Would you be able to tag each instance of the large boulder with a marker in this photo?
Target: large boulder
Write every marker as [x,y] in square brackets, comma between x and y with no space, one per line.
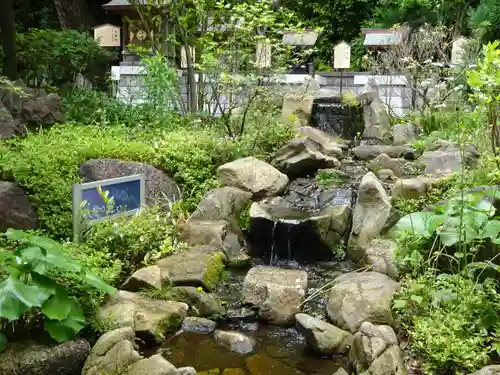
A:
[332,146]
[361,297]
[148,317]
[277,292]
[296,233]
[404,134]
[300,157]
[201,303]
[30,358]
[389,363]
[25,106]
[199,266]
[445,157]
[253,175]
[375,114]
[16,210]
[322,337]
[383,161]
[380,255]
[159,186]
[369,343]
[154,365]
[297,105]
[372,215]
[224,203]
[198,325]
[144,278]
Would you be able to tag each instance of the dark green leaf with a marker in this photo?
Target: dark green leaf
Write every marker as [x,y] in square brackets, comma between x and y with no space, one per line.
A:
[16,298]
[97,283]
[57,307]
[66,329]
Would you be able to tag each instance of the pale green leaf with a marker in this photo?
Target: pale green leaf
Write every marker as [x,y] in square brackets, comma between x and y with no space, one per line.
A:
[16,298]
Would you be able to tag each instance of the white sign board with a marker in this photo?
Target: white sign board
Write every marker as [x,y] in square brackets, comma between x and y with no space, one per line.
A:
[263,55]
[458,50]
[342,56]
[107,35]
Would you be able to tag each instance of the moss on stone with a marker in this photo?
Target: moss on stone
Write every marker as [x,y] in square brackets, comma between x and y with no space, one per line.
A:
[167,325]
[214,271]
[349,98]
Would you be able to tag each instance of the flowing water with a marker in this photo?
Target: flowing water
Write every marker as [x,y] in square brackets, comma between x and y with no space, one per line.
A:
[278,350]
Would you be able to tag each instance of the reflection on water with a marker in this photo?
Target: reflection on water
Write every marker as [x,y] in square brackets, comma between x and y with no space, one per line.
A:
[279,351]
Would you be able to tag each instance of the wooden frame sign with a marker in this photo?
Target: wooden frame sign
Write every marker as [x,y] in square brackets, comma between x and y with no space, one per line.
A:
[97,201]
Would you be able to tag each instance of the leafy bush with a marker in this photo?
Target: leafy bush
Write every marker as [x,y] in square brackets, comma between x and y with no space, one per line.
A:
[29,283]
[451,320]
[46,164]
[54,58]
[144,237]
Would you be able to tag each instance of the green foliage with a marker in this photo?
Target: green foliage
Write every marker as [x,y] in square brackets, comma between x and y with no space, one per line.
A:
[29,284]
[54,58]
[142,238]
[327,178]
[451,320]
[46,164]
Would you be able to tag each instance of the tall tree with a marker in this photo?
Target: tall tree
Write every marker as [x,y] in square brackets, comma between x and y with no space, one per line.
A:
[8,32]
[74,14]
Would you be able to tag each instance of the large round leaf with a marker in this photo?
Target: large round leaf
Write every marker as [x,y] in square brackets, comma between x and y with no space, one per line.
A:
[16,298]
[64,330]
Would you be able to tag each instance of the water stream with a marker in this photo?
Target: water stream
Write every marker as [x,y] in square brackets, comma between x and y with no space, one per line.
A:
[278,350]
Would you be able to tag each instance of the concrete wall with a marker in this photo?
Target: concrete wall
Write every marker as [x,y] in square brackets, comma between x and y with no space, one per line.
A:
[393,90]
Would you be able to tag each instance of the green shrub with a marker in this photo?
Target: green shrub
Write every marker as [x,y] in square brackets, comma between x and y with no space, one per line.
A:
[451,320]
[30,282]
[142,238]
[55,58]
[46,164]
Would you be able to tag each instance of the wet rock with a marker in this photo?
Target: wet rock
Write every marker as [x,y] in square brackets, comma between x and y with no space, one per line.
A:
[113,352]
[404,134]
[372,215]
[277,292]
[380,255]
[446,157]
[224,203]
[144,278]
[329,145]
[389,363]
[289,232]
[300,157]
[322,337]
[383,161]
[259,364]
[368,152]
[30,358]
[249,327]
[386,175]
[152,318]
[216,233]
[158,184]
[243,314]
[375,115]
[488,370]
[369,343]
[16,210]
[361,297]
[205,304]
[235,341]
[154,365]
[199,266]
[198,325]
[253,175]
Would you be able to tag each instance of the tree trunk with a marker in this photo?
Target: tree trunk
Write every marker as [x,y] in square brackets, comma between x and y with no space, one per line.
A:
[74,14]
[8,32]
